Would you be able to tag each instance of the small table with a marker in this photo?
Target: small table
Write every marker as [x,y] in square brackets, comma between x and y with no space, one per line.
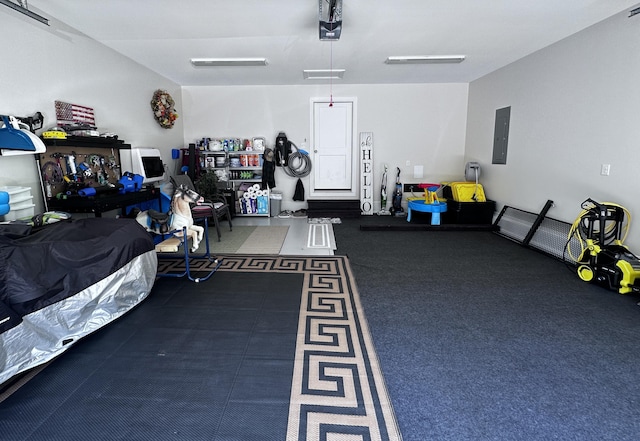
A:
[435,209]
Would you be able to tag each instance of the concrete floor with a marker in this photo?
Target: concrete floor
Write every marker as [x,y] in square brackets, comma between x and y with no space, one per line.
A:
[302,238]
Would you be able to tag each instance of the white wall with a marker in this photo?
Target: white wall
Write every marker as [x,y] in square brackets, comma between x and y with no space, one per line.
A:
[574,106]
[41,64]
[420,123]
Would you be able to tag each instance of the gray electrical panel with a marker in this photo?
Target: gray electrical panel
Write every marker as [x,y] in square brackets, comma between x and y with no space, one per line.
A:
[501,136]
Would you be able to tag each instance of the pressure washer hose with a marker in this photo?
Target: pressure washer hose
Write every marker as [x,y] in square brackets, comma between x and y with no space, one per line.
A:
[578,229]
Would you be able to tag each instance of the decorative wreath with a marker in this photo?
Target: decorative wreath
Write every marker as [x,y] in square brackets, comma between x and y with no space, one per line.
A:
[163,109]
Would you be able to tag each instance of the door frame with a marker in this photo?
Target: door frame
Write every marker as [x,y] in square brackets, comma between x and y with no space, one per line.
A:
[354,193]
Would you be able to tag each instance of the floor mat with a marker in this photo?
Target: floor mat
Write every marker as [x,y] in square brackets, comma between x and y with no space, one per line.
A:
[264,240]
[247,240]
[324,220]
[321,236]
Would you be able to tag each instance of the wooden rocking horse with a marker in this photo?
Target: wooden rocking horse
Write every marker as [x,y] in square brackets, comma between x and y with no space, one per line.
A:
[181,215]
[179,222]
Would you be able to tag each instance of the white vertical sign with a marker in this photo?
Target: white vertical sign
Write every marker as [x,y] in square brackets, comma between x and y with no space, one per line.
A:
[366,173]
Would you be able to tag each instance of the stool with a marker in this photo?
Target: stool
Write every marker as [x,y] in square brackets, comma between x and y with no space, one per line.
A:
[435,209]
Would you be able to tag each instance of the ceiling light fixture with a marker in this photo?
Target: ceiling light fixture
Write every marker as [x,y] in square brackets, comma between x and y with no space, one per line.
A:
[215,62]
[323,74]
[25,11]
[426,59]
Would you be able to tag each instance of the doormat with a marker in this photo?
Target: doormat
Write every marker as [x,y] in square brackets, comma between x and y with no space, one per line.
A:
[321,236]
[324,220]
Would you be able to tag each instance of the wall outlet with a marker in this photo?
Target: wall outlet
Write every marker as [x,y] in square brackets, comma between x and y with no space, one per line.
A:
[605,169]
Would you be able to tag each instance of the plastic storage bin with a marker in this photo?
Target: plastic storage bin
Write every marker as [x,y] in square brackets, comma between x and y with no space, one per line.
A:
[469,212]
[18,195]
[19,213]
[20,202]
[464,192]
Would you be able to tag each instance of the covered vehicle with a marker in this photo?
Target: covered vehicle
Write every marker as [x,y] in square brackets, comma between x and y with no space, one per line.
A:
[63,281]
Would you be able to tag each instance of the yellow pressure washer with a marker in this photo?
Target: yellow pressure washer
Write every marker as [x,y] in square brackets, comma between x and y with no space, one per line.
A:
[604,259]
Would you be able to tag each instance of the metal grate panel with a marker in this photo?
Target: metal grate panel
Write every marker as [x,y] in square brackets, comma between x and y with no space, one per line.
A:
[515,223]
[550,237]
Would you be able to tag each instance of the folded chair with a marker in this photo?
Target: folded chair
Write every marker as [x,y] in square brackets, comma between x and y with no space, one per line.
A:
[215,206]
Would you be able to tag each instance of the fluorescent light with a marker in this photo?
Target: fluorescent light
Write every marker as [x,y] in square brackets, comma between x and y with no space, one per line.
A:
[426,59]
[25,11]
[229,61]
[323,74]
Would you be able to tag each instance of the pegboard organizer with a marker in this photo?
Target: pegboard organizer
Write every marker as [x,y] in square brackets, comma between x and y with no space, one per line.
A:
[96,162]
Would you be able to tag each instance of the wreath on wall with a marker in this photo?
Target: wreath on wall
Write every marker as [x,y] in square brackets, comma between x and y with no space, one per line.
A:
[163,109]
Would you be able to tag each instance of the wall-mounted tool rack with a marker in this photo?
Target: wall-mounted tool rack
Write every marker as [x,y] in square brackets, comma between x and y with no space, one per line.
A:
[77,162]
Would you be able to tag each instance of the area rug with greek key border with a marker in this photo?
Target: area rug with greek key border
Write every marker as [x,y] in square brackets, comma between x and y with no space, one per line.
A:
[269,348]
[338,390]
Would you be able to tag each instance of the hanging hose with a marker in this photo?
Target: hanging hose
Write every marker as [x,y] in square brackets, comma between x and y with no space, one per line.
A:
[299,163]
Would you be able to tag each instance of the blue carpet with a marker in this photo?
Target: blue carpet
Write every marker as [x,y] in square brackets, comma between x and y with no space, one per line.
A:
[482,339]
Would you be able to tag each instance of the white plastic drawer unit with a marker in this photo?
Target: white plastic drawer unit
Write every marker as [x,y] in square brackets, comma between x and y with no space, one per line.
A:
[20,202]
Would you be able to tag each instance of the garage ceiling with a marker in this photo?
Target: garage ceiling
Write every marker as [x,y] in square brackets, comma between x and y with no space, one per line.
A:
[164,35]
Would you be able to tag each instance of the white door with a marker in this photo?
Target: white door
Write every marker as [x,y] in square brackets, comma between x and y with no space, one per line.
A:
[334,169]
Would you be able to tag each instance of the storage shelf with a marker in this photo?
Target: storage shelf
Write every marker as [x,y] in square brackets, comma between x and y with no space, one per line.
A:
[233,164]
